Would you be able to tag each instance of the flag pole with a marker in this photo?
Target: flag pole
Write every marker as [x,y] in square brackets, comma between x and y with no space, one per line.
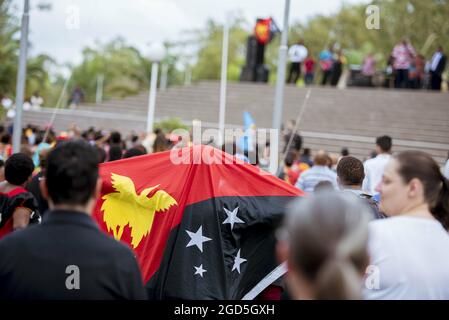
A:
[21,76]
[152,97]
[282,61]
[99,93]
[223,84]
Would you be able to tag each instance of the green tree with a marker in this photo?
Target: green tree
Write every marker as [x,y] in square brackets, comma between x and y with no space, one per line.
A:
[210,40]
[8,48]
[125,70]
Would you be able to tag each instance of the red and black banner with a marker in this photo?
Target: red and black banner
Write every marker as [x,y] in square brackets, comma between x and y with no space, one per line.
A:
[201,225]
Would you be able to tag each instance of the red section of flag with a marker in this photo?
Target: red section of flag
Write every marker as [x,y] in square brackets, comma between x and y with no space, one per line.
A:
[188,175]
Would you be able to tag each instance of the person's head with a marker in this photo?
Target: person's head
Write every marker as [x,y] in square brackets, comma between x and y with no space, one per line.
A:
[115,138]
[440,49]
[6,139]
[71,177]
[330,266]
[18,169]
[290,158]
[350,172]
[160,143]
[321,159]
[306,152]
[324,186]
[344,152]
[383,144]
[413,179]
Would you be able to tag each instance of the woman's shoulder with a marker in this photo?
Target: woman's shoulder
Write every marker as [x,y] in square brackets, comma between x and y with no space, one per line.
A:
[411,228]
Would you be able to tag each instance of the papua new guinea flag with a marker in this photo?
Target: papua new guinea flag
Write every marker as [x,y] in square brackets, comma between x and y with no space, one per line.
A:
[200,221]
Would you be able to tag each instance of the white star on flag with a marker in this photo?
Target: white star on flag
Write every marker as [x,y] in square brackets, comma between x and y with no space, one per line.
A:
[197,239]
[232,217]
[200,270]
[237,262]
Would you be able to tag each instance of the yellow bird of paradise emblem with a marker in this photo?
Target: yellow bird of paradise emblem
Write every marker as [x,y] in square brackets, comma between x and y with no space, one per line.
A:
[126,207]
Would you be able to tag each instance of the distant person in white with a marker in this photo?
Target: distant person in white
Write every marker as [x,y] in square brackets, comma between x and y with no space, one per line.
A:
[374,168]
[36,101]
[297,54]
[6,102]
[410,250]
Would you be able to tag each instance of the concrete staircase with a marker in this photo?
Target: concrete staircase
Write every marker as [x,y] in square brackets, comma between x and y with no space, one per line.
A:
[332,118]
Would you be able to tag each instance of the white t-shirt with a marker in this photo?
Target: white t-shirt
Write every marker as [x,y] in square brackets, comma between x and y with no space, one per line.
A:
[297,53]
[374,170]
[412,257]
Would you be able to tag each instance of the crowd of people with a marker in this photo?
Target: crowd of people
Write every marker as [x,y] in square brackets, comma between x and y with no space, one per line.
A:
[390,244]
[389,214]
[406,68]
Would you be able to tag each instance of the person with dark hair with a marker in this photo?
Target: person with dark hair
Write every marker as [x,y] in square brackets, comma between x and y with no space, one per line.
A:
[337,67]
[161,143]
[115,138]
[115,152]
[5,146]
[309,66]
[324,240]
[350,175]
[290,173]
[437,67]
[17,205]
[306,158]
[344,152]
[80,261]
[374,168]
[133,152]
[76,98]
[319,172]
[410,249]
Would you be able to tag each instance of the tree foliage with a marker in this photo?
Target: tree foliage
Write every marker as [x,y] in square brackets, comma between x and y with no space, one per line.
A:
[126,71]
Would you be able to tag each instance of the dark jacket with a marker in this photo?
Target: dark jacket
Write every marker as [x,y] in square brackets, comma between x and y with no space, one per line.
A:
[441,66]
[39,262]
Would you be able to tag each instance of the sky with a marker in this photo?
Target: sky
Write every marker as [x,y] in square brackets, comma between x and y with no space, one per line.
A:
[71,25]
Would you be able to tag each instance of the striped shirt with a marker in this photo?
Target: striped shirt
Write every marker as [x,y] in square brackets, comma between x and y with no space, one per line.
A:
[309,179]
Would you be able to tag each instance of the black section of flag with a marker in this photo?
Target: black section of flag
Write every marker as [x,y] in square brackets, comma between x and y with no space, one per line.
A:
[221,250]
